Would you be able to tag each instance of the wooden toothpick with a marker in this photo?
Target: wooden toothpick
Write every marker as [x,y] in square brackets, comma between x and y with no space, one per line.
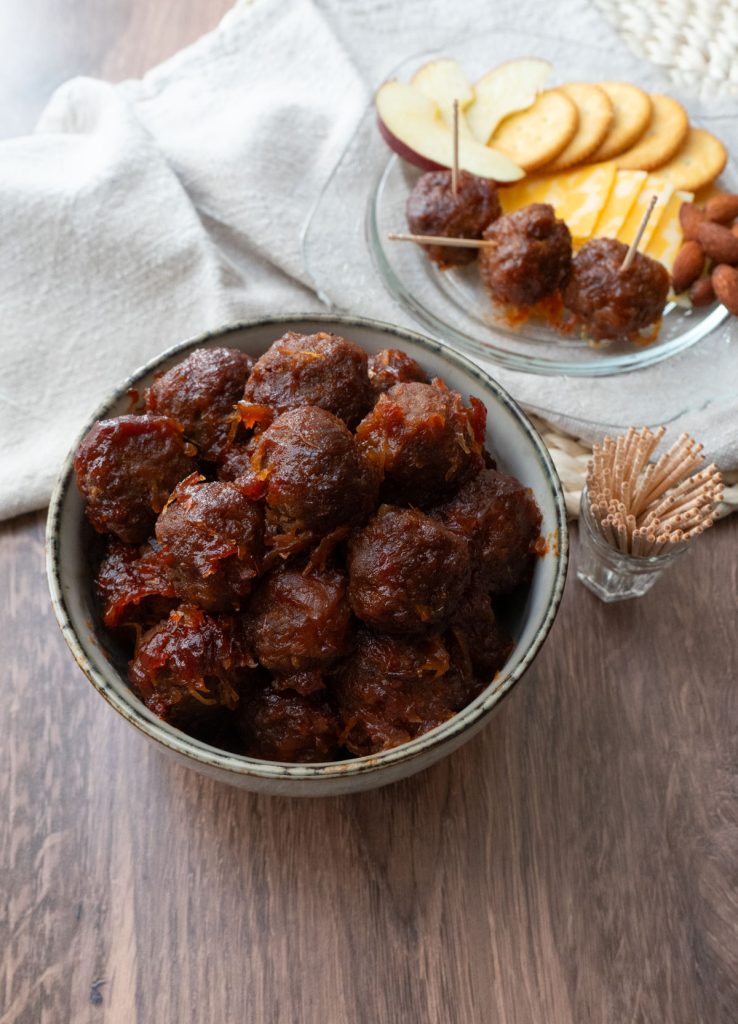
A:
[641,507]
[455,164]
[460,243]
[630,254]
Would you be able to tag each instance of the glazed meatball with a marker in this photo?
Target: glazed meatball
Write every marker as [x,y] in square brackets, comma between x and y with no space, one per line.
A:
[391,367]
[288,727]
[126,469]
[201,393]
[133,586]
[530,259]
[211,536]
[235,463]
[424,441]
[407,572]
[395,688]
[612,303]
[315,476]
[301,624]
[501,521]
[191,665]
[321,370]
[433,209]
[482,643]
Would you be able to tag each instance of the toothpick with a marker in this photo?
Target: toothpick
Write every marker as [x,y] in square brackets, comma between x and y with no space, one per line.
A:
[645,508]
[455,164]
[630,254]
[460,243]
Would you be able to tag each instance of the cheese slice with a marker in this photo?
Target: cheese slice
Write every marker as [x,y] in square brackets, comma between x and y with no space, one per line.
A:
[651,187]
[578,196]
[625,191]
[666,240]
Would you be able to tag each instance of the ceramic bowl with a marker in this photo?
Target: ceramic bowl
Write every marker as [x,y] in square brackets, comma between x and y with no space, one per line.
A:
[518,449]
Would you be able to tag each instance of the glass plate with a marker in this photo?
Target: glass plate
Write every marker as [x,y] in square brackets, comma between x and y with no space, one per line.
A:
[452,304]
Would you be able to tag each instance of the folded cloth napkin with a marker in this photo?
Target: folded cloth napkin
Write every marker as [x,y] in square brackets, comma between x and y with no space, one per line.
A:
[141,214]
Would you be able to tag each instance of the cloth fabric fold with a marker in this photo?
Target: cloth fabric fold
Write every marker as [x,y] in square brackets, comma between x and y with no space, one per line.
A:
[142,214]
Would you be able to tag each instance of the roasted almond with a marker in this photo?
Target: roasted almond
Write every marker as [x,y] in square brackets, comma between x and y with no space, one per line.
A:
[719,243]
[734,230]
[725,283]
[702,293]
[722,208]
[690,217]
[688,266]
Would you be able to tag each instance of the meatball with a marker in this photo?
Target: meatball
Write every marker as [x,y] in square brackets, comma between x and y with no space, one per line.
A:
[126,469]
[433,209]
[235,463]
[395,688]
[391,367]
[201,393]
[288,727]
[612,303]
[322,370]
[211,536]
[316,478]
[501,521]
[424,440]
[191,665]
[530,259]
[301,624]
[133,586]
[482,643]
[406,571]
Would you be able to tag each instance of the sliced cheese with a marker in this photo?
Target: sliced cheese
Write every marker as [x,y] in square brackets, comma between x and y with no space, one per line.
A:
[578,196]
[651,187]
[666,240]
[625,191]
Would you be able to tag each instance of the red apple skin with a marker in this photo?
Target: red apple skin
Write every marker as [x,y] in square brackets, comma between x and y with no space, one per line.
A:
[405,152]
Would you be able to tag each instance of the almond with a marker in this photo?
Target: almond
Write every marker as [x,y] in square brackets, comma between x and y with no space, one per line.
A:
[702,293]
[734,230]
[718,242]
[690,217]
[725,283]
[688,266]
[722,208]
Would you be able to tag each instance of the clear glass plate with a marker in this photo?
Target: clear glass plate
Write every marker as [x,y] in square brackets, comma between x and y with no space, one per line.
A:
[452,304]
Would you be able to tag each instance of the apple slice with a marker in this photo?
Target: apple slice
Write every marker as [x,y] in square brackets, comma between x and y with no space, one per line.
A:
[413,126]
[505,90]
[443,81]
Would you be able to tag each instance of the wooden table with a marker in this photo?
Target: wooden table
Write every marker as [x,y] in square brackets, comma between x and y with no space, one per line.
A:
[577,862]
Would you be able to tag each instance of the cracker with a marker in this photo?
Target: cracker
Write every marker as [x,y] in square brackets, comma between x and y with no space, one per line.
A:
[632,113]
[663,138]
[537,135]
[595,115]
[698,162]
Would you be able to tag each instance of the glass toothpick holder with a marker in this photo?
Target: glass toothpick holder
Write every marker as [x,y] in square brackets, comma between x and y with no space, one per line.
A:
[615,575]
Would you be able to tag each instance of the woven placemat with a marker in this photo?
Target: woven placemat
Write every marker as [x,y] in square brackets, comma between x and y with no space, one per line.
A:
[695,43]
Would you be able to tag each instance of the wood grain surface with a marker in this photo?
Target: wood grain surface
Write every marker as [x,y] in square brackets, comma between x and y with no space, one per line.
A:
[576,862]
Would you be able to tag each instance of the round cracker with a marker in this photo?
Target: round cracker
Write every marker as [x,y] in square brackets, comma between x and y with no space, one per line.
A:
[595,115]
[537,135]
[663,138]
[632,113]
[698,162]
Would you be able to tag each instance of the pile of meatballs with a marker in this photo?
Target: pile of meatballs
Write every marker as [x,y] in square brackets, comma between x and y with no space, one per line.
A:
[530,258]
[305,556]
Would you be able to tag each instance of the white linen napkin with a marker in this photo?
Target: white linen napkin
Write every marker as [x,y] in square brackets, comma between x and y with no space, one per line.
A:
[142,214]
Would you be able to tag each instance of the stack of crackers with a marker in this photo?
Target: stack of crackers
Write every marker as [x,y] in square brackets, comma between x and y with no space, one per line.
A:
[598,153]
[582,123]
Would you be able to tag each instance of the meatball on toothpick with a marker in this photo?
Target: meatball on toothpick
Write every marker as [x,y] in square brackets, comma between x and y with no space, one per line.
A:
[433,209]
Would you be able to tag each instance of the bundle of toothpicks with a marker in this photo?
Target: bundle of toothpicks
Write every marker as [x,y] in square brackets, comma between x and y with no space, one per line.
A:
[645,508]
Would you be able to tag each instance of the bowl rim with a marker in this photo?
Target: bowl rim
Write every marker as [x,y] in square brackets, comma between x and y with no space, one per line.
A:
[208,757]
